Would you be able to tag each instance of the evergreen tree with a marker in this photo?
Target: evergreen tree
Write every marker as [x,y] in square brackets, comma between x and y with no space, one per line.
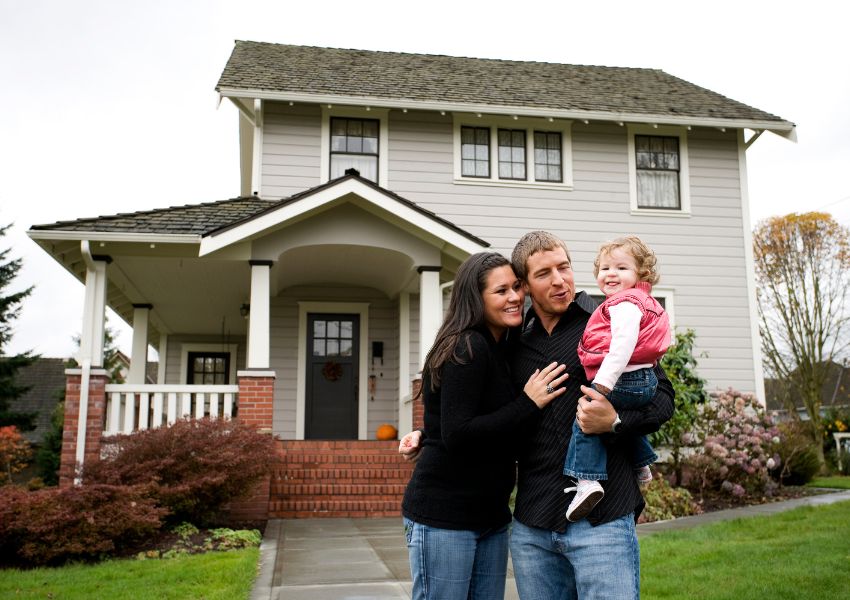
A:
[10,307]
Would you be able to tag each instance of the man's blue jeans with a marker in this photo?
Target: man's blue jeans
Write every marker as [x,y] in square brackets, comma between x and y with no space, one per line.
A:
[586,454]
[586,562]
[449,564]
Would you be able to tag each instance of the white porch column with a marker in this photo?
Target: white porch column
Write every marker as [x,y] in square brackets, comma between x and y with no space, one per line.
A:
[139,353]
[258,319]
[405,402]
[163,358]
[430,309]
[91,336]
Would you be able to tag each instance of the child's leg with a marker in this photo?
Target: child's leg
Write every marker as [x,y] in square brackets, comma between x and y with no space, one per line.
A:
[634,389]
[642,453]
[586,456]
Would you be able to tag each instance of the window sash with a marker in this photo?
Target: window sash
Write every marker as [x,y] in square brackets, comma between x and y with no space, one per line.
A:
[354,144]
[475,151]
[548,162]
[512,163]
[657,163]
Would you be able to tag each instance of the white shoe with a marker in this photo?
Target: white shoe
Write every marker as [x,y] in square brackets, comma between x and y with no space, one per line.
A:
[644,476]
[588,495]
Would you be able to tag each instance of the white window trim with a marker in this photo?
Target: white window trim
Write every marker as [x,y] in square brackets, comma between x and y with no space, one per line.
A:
[356,308]
[530,126]
[185,349]
[668,293]
[378,114]
[684,172]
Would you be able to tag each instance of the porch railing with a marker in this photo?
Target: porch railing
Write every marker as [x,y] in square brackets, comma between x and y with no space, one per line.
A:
[131,407]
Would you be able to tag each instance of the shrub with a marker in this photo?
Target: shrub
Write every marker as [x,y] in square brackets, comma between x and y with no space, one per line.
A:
[78,523]
[666,502]
[737,450]
[680,366]
[194,466]
[15,451]
[799,458]
[49,454]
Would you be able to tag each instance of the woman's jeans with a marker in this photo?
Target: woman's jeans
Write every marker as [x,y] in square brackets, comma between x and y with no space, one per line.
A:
[587,562]
[450,564]
[586,455]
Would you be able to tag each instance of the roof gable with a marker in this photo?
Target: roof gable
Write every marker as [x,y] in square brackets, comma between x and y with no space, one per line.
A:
[262,67]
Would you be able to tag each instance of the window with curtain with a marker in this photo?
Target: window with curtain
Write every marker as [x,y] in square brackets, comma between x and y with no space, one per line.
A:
[547,156]
[657,169]
[475,151]
[511,154]
[354,144]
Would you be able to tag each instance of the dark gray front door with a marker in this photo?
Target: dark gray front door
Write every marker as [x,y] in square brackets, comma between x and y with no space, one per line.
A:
[332,369]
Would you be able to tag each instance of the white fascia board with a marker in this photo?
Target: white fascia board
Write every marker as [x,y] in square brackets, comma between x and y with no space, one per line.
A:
[280,216]
[782,128]
[116,236]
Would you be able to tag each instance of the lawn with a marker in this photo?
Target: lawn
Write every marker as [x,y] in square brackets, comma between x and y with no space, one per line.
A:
[215,575]
[800,554]
[838,481]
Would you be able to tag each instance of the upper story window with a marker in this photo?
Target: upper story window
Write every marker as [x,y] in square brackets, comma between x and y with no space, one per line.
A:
[354,144]
[658,170]
[354,138]
[512,152]
[475,151]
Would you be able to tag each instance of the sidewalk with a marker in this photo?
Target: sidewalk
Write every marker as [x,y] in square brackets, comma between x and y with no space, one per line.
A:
[366,559]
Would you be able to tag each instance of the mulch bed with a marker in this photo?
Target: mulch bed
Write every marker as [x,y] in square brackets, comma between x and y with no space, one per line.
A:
[715,502]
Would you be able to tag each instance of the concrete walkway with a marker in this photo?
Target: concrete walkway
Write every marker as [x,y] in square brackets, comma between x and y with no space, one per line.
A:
[366,559]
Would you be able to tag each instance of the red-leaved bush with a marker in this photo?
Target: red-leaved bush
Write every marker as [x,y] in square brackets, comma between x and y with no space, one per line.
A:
[194,466]
[78,523]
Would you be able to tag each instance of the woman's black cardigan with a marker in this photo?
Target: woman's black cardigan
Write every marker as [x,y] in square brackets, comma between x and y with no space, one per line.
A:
[467,468]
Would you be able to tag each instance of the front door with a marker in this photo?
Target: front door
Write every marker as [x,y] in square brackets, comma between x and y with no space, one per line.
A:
[332,377]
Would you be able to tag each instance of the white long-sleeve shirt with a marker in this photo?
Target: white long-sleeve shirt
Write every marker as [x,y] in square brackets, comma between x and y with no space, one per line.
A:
[625,326]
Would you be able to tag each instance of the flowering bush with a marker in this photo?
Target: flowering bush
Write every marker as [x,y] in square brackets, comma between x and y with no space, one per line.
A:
[14,451]
[666,502]
[738,444]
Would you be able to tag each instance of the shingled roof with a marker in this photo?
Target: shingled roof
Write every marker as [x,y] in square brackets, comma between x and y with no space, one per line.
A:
[197,219]
[280,68]
[212,218]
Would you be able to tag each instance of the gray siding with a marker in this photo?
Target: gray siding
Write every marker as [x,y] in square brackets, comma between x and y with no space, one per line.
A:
[175,349]
[701,257]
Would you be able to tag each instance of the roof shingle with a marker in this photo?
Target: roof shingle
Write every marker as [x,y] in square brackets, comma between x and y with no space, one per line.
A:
[500,83]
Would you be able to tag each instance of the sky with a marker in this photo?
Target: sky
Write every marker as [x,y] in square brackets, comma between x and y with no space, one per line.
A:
[109,106]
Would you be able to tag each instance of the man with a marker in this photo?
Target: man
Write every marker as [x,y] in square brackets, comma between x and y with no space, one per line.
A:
[596,557]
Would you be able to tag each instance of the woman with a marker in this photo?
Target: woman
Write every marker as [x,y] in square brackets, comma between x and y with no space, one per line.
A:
[455,508]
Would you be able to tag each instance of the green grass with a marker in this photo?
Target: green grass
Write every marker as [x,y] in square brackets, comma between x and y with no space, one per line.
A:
[841,482]
[800,554]
[215,575]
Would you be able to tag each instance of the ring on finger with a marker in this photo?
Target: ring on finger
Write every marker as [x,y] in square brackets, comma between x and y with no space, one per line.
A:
[549,389]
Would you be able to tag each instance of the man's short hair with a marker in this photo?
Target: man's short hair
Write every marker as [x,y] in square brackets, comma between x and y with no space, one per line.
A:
[532,243]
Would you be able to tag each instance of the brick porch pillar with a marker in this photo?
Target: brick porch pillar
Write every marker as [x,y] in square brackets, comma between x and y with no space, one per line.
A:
[418,405]
[96,411]
[256,404]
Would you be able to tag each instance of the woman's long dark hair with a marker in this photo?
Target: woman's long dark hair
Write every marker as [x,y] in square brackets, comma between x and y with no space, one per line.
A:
[466,310]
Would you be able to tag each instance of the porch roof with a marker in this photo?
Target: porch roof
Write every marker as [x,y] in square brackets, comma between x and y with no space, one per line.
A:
[216,218]
[394,79]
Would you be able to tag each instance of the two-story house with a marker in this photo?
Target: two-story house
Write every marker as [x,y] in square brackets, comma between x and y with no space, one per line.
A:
[309,301]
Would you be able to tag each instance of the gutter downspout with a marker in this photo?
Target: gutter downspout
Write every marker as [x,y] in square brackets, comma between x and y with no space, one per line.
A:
[84,382]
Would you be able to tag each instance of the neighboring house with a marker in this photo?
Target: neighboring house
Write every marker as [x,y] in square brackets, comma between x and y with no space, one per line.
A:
[310,300]
[835,393]
[45,380]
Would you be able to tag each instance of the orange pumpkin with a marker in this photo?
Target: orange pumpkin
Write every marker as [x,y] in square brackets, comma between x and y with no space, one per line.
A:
[386,432]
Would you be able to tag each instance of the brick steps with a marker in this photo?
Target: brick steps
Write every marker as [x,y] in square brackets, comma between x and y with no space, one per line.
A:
[338,479]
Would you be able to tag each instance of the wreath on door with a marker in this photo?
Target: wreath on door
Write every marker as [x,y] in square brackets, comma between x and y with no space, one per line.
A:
[332,370]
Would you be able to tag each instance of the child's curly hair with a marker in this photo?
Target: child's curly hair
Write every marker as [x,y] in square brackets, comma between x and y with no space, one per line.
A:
[643,255]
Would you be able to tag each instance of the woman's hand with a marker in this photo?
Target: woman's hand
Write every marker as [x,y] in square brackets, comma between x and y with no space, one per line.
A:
[542,386]
[409,447]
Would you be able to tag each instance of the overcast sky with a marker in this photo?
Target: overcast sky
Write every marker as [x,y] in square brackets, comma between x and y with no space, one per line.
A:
[109,106]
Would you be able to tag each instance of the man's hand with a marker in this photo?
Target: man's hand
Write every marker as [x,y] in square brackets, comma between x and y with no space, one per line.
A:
[409,447]
[595,414]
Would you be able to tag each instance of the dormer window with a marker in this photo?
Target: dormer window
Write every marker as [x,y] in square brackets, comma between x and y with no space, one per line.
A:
[354,144]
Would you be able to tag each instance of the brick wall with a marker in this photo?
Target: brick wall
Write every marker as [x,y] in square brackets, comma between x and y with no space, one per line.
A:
[256,399]
[94,422]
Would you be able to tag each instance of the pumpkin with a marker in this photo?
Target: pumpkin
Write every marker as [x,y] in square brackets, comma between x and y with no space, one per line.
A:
[386,432]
